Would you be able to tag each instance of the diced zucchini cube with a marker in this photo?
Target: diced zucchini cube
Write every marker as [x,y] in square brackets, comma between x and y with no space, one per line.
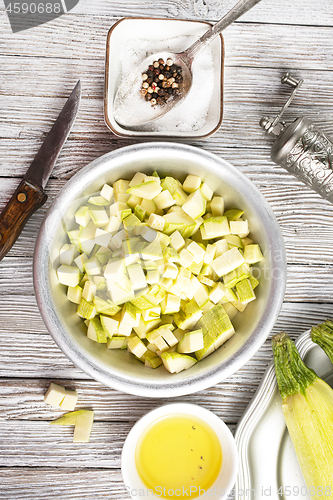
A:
[82,216]
[177,242]
[110,325]
[215,227]
[138,178]
[99,201]
[69,275]
[74,294]
[191,183]
[54,395]
[252,254]
[67,253]
[107,192]
[136,276]
[186,258]
[89,291]
[156,222]
[151,360]
[80,261]
[136,347]
[191,342]
[197,251]
[195,205]
[233,214]
[147,190]
[221,266]
[217,206]
[175,362]
[99,217]
[245,291]
[201,296]
[92,267]
[116,343]
[120,186]
[171,304]
[239,227]
[170,271]
[130,315]
[164,200]
[234,257]
[206,191]
[69,401]
[96,331]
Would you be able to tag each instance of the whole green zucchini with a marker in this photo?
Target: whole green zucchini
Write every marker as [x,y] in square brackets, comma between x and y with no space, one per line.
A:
[307,404]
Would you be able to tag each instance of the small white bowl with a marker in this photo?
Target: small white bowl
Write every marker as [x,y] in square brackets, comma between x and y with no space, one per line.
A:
[227,475]
[149,32]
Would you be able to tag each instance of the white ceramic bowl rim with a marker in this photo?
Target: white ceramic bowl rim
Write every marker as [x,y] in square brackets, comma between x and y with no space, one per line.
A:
[191,382]
[227,476]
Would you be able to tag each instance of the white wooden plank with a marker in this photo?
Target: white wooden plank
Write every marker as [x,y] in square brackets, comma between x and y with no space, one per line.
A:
[38,444]
[240,127]
[60,484]
[246,44]
[27,350]
[22,399]
[304,282]
[241,83]
[269,11]
[304,217]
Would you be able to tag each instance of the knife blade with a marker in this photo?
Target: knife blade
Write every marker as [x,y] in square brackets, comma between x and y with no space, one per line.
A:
[30,196]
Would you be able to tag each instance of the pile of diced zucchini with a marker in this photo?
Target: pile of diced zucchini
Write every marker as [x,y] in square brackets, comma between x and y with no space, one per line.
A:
[159,268]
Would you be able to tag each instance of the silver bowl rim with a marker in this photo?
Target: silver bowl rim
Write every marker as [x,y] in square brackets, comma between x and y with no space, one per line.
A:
[191,384]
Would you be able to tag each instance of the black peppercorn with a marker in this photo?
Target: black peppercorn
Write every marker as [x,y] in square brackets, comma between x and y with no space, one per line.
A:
[161,81]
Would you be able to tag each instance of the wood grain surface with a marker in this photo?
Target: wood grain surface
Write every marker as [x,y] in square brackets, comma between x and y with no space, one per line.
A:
[38,70]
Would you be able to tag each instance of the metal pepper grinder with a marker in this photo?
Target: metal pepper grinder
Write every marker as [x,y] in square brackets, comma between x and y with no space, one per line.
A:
[301,148]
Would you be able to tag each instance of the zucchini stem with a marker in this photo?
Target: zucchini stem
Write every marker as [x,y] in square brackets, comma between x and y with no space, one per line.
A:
[323,336]
[293,376]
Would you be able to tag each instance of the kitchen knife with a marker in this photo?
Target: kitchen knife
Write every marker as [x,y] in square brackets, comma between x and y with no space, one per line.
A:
[30,196]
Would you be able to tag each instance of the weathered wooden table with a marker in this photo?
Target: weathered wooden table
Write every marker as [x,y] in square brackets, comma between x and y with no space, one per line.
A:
[38,69]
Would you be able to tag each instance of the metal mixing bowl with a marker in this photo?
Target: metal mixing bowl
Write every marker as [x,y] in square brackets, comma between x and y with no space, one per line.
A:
[119,369]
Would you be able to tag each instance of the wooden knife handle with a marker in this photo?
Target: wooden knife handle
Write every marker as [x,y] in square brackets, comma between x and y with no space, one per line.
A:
[24,202]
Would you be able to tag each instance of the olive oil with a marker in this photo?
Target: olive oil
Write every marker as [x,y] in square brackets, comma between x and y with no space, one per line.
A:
[176,453]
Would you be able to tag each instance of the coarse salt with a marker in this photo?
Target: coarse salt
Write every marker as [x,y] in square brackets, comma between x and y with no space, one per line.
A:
[191,114]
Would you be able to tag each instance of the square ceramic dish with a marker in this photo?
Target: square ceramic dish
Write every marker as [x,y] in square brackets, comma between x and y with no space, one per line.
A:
[133,39]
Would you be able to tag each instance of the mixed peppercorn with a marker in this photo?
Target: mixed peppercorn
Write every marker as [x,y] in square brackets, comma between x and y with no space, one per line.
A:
[161,81]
